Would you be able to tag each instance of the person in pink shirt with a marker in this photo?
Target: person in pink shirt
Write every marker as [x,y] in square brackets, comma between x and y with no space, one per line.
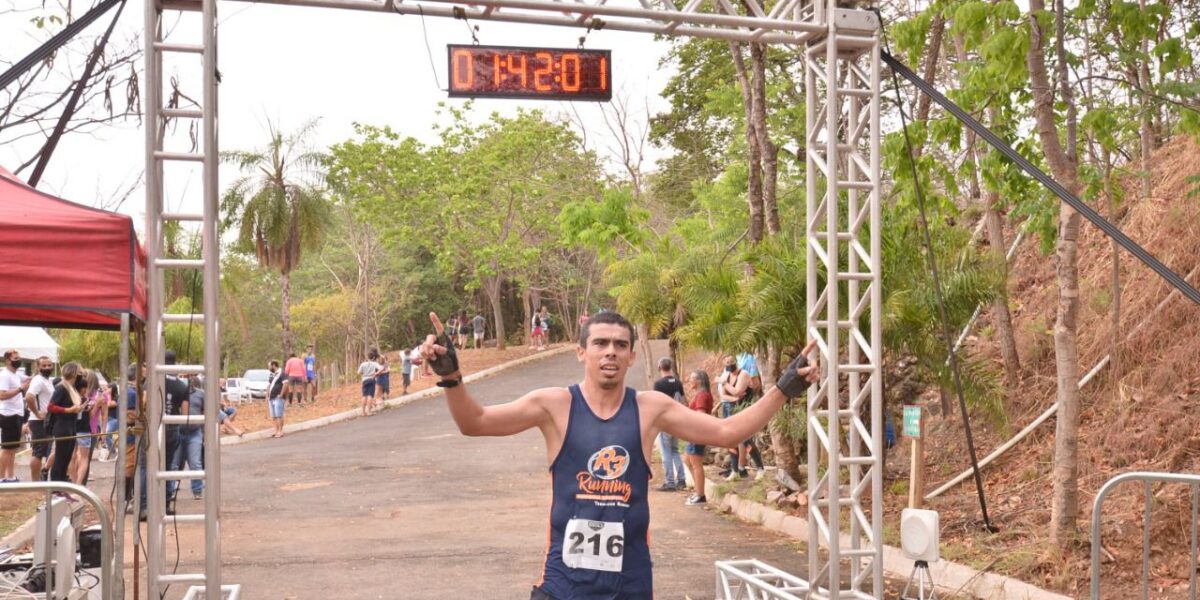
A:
[297,376]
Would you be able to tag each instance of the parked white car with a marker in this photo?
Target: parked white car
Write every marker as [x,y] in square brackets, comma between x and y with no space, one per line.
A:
[234,392]
[255,383]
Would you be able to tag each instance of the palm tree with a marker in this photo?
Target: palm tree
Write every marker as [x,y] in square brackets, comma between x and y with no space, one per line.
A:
[278,212]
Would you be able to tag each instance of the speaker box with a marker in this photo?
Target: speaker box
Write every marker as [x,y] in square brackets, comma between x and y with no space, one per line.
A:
[919,531]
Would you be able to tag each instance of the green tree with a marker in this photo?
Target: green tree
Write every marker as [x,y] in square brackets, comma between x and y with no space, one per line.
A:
[278,212]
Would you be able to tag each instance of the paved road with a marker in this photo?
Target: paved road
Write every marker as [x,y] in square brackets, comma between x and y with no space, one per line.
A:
[400,506]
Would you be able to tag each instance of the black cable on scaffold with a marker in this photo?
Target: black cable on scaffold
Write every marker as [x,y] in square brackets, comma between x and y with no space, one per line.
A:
[941,301]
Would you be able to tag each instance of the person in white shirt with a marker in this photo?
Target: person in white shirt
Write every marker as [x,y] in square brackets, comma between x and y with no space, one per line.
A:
[12,409]
[37,398]
[368,369]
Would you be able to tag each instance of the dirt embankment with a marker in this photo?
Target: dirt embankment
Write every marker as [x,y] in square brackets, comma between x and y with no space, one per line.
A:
[1141,412]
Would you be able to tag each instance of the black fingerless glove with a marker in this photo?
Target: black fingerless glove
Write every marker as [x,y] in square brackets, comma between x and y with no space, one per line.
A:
[792,383]
[447,363]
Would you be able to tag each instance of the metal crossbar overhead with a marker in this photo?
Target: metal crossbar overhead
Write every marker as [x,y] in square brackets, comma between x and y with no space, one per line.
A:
[841,55]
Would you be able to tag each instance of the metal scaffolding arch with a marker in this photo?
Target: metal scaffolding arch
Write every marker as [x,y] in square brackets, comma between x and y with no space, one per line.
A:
[845,452]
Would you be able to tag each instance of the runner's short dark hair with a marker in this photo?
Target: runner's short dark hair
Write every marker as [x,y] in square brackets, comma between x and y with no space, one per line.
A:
[609,318]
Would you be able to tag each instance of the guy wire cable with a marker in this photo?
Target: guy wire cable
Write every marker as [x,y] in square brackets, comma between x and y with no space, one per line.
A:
[937,286]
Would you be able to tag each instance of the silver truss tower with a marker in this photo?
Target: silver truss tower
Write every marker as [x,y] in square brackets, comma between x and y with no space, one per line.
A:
[845,417]
[845,452]
[195,46]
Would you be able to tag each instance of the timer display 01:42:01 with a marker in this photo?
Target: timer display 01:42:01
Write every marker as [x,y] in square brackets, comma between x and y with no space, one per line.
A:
[534,73]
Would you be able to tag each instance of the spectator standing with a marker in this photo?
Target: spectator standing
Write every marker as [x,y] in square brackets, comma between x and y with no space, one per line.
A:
[176,403]
[535,331]
[736,389]
[297,378]
[310,371]
[275,393]
[479,325]
[544,323]
[383,382]
[191,440]
[668,384]
[37,400]
[12,411]
[583,318]
[66,404]
[91,422]
[463,322]
[701,402]
[135,454]
[109,425]
[406,369]
[368,369]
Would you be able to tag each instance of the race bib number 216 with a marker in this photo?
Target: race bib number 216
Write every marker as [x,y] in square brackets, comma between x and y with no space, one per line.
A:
[596,545]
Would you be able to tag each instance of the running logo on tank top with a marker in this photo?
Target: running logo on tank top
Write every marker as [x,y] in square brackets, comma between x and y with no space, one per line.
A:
[602,482]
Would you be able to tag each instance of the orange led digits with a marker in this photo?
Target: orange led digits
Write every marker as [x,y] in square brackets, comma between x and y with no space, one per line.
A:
[533,73]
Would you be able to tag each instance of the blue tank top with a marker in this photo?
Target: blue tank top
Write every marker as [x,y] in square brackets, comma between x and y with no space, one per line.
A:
[599,512]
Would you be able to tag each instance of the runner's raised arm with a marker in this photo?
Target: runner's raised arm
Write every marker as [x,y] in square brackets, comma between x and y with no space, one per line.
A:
[471,417]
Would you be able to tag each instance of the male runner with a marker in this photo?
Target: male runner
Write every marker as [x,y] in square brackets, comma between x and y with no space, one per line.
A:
[310,370]
[598,438]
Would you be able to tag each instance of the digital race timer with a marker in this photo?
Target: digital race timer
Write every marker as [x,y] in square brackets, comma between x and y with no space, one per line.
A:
[534,73]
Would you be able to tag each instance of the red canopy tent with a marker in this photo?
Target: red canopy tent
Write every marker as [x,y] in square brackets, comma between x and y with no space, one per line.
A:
[68,265]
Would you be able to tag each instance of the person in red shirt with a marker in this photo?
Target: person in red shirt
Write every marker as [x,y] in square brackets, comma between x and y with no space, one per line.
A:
[702,402]
[297,377]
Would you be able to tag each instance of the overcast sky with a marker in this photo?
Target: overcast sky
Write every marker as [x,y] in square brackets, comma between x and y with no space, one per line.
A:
[291,65]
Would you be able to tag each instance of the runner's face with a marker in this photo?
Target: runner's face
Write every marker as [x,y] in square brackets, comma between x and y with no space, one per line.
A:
[608,355]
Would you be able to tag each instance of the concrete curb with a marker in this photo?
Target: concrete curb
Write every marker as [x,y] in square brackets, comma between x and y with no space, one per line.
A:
[948,576]
[394,402]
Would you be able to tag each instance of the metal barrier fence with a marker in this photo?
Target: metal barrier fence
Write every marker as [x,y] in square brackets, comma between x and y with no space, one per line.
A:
[1147,479]
[107,583]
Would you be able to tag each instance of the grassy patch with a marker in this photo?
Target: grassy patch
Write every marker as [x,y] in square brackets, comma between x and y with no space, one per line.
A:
[758,491]
[15,509]
[721,490]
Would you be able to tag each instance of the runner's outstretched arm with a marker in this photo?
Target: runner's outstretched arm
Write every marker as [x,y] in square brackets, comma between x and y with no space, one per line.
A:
[473,418]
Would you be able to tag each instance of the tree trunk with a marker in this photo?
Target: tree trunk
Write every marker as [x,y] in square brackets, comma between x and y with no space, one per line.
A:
[527,315]
[1147,125]
[285,295]
[768,152]
[754,197]
[936,31]
[643,335]
[1001,316]
[994,227]
[1065,500]
[491,289]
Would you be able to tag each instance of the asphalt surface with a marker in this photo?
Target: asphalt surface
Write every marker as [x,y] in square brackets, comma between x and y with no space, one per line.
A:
[401,506]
